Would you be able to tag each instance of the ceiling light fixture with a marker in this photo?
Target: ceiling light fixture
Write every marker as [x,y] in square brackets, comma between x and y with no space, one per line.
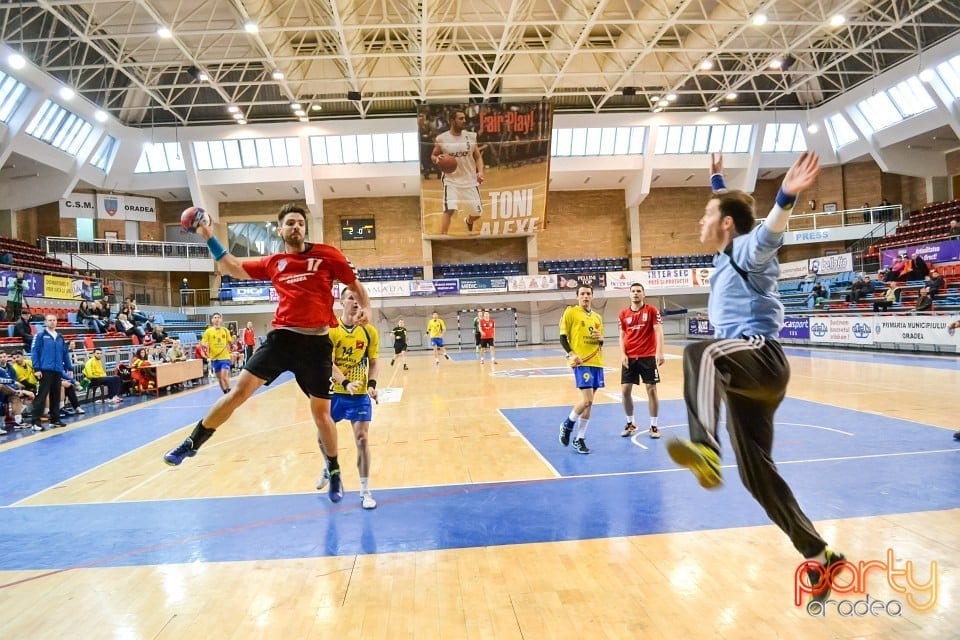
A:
[238,116]
[277,74]
[300,112]
[232,108]
[295,105]
[837,19]
[241,121]
[67,93]
[760,19]
[776,63]
[163,32]
[713,109]
[731,96]
[316,107]
[100,115]
[812,128]
[16,61]
[251,27]
[706,65]
[670,97]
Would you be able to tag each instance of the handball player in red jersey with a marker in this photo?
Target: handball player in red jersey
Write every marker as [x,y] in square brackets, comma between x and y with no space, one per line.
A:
[303,276]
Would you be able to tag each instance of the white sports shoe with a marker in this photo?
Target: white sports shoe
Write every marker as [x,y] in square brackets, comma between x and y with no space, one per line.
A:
[323,480]
[367,501]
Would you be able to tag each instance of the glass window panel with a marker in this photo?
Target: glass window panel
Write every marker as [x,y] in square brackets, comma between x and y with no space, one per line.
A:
[840,131]
[687,134]
[218,159]
[365,148]
[744,132]
[411,147]
[41,113]
[661,143]
[11,93]
[231,151]
[673,139]
[637,140]
[769,138]
[349,143]
[395,146]
[621,141]
[592,146]
[949,72]
[248,153]
[69,126]
[201,152]
[561,142]
[57,120]
[78,139]
[143,166]
[334,152]
[381,152]
[578,142]
[173,156]
[879,111]
[911,98]
[279,149]
[701,140]
[157,157]
[607,137]
[293,152]
[318,150]
[264,155]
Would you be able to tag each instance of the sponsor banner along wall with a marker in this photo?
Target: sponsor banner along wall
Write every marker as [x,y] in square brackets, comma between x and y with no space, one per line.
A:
[932,252]
[828,265]
[542,282]
[109,207]
[655,279]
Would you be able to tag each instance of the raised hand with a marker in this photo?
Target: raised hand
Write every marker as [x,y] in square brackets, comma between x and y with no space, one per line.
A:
[716,163]
[802,174]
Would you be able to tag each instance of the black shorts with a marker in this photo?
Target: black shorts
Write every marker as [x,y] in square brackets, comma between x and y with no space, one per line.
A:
[399,347]
[486,342]
[638,369]
[309,358]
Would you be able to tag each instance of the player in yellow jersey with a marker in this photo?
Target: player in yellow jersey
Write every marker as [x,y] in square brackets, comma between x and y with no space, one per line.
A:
[436,327]
[216,344]
[581,336]
[356,353]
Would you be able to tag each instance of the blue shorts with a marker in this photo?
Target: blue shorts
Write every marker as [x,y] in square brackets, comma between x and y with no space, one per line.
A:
[353,408]
[588,377]
[220,365]
[436,342]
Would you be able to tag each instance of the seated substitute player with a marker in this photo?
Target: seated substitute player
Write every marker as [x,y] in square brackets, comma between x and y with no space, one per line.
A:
[356,353]
[581,336]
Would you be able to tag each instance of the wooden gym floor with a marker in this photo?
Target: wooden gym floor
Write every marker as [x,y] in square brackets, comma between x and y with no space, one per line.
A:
[486,527]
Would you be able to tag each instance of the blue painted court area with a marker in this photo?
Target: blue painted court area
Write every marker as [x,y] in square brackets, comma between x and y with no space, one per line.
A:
[506,354]
[884,466]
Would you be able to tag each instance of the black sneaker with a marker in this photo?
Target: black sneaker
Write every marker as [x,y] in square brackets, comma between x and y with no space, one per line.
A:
[469,223]
[57,424]
[405,367]
[580,446]
[335,492]
[628,430]
[956,435]
[392,360]
[565,430]
[820,578]
[177,455]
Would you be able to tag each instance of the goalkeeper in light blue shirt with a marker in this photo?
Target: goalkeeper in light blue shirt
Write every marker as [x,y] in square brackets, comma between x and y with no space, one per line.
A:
[743,365]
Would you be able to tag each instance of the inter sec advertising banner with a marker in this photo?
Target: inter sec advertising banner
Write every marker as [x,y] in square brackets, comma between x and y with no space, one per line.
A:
[932,252]
[484,169]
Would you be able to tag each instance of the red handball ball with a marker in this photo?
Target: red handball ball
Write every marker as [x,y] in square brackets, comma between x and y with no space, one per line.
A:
[447,164]
[193,217]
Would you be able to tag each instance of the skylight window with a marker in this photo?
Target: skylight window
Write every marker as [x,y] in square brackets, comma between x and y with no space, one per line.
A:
[784,137]
[598,141]
[59,128]
[840,131]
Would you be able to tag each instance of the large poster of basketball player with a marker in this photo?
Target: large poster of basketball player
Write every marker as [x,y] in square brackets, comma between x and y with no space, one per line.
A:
[484,169]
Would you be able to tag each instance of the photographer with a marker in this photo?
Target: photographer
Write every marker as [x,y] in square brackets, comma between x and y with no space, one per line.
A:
[15,296]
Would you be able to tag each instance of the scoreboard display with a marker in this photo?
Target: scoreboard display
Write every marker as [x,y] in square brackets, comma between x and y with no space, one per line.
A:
[357,229]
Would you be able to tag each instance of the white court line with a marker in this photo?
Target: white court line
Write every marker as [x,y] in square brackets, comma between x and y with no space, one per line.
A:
[529,444]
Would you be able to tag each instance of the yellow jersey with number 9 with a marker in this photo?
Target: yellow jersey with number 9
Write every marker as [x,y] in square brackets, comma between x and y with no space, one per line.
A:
[584,331]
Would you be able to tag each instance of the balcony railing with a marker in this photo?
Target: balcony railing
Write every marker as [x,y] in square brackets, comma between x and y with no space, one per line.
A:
[128,249]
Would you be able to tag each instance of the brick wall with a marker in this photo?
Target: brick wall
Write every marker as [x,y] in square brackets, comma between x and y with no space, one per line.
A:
[584,224]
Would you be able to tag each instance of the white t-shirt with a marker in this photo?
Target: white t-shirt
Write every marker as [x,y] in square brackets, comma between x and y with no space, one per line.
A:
[460,147]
